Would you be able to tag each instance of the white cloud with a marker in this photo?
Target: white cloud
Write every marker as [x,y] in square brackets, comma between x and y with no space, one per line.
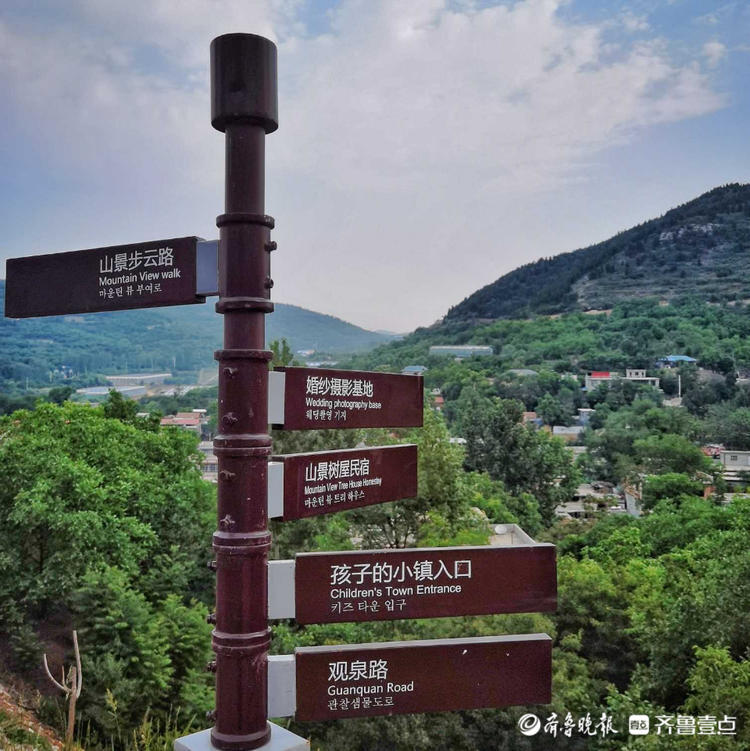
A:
[633,22]
[398,95]
[714,52]
[396,128]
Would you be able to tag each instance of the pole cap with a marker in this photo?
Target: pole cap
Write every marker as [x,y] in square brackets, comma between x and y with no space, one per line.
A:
[243,81]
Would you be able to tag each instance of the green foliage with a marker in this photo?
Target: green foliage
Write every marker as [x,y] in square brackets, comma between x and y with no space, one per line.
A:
[156,734]
[440,491]
[179,339]
[498,505]
[525,460]
[124,650]
[699,597]
[674,525]
[622,445]
[14,735]
[104,527]
[551,410]
[720,685]
[591,609]
[670,453]
[729,424]
[670,485]
[282,353]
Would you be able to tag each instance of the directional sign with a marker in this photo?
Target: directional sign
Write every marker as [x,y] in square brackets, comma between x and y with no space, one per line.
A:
[313,398]
[363,680]
[119,277]
[378,585]
[326,481]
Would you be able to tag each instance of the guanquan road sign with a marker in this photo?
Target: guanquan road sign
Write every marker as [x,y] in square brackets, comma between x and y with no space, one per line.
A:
[377,585]
[177,271]
[326,481]
[363,680]
[314,398]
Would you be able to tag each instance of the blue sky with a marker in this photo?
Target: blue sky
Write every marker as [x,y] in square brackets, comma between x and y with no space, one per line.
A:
[425,147]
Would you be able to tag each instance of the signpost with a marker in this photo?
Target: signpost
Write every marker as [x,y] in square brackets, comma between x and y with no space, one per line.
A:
[244,108]
[120,277]
[440,675]
[326,481]
[378,585]
[313,398]
[331,682]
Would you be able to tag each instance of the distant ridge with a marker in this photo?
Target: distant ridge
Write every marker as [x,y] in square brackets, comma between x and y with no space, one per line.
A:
[701,248]
[179,338]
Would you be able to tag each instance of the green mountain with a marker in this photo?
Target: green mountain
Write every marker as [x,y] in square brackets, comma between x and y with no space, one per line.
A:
[697,249]
[181,338]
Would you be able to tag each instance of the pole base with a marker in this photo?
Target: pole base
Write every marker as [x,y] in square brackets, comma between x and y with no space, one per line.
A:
[281,740]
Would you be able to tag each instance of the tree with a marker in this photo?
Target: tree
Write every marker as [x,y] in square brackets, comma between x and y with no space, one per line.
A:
[729,425]
[671,453]
[59,394]
[671,485]
[551,410]
[104,525]
[397,525]
[525,460]
[125,650]
[282,353]
[720,685]
[612,445]
[698,597]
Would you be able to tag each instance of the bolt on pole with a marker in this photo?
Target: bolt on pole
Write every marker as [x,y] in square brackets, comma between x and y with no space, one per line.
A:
[244,108]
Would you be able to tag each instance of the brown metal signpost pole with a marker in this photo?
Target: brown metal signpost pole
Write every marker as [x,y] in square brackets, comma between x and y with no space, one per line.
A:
[243,106]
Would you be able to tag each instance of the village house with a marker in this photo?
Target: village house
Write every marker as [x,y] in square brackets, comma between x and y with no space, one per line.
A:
[673,361]
[634,375]
[209,463]
[414,370]
[736,465]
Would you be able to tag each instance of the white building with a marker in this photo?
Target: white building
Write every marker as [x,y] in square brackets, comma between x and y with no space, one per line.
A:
[736,464]
[636,375]
[138,379]
[461,350]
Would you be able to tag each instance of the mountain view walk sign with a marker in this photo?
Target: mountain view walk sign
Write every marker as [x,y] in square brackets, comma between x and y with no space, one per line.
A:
[120,277]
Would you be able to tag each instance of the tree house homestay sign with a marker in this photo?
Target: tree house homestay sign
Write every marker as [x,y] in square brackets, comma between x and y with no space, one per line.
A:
[316,683]
[303,485]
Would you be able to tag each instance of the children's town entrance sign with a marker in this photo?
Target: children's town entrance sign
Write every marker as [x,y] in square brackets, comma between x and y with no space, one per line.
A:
[378,585]
[316,683]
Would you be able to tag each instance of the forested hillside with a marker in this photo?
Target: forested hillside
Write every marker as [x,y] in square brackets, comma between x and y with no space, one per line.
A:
[701,248]
[634,334]
[181,338]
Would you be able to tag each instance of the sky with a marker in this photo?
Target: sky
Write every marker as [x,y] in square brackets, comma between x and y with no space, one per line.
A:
[425,147]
